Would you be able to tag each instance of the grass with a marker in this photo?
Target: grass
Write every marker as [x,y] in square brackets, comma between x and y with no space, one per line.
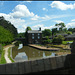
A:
[9,50]
[65,42]
[2,59]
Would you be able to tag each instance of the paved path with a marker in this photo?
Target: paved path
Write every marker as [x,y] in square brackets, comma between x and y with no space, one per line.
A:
[6,53]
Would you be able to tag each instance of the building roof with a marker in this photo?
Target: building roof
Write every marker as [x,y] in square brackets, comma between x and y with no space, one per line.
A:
[34,31]
[71,36]
[61,34]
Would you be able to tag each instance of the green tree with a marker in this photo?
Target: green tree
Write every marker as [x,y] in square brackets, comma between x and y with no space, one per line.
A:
[46,32]
[54,30]
[60,26]
[69,32]
[8,26]
[47,41]
[28,28]
[70,29]
[6,36]
[58,39]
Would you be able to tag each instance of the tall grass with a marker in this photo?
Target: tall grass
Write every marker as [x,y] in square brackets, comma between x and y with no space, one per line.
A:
[2,59]
[9,53]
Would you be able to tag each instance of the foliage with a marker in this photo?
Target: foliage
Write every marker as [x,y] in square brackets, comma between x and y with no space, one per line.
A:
[21,35]
[46,32]
[54,31]
[65,42]
[8,26]
[5,36]
[28,28]
[17,43]
[9,55]
[58,39]
[2,59]
[69,32]
[60,26]
[47,41]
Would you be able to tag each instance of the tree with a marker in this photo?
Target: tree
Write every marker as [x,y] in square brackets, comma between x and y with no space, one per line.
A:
[60,26]
[28,28]
[47,41]
[6,36]
[8,26]
[46,32]
[70,29]
[54,30]
[58,39]
[69,32]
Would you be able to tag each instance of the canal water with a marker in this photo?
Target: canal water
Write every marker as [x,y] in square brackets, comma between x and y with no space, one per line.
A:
[23,53]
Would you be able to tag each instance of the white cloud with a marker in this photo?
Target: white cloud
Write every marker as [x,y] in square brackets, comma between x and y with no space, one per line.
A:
[36,27]
[44,9]
[70,25]
[21,11]
[17,22]
[58,21]
[36,17]
[62,6]
[73,20]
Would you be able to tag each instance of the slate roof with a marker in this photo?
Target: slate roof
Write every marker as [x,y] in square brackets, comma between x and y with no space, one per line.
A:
[34,31]
[71,36]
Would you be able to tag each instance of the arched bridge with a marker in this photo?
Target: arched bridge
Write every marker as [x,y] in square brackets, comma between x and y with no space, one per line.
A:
[23,40]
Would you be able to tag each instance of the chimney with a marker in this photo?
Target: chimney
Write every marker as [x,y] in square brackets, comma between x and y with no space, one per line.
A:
[40,29]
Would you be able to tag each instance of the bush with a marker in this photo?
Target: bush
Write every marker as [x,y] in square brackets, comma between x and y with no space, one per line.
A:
[58,39]
[17,43]
[47,41]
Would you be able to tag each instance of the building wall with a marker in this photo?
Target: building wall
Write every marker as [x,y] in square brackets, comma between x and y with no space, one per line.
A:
[35,40]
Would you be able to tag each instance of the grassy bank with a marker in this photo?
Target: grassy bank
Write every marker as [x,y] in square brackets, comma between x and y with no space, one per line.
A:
[66,42]
[9,53]
[2,59]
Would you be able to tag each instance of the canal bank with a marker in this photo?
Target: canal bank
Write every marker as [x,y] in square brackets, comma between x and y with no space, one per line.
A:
[43,48]
[6,53]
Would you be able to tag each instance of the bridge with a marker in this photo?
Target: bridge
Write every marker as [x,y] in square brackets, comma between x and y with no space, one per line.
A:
[23,40]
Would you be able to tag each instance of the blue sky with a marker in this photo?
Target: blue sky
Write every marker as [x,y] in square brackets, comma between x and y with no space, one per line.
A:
[44,14]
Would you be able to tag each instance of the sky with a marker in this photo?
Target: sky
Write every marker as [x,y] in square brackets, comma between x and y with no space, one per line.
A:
[44,14]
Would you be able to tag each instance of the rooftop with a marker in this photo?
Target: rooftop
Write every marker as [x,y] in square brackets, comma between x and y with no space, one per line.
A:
[71,36]
[34,31]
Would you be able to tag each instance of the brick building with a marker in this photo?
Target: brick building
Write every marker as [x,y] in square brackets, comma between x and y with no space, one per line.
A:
[34,36]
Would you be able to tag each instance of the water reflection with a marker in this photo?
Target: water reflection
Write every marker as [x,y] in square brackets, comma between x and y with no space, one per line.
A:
[29,53]
[20,46]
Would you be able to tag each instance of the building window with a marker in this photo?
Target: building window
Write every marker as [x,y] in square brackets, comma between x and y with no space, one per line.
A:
[38,37]
[32,33]
[32,37]
[38,34]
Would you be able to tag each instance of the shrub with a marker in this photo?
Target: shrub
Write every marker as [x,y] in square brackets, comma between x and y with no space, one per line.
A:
[58,39]
[47,41]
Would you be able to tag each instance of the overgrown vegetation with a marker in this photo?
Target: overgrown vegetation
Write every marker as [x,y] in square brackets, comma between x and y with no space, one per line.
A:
[8,26]
[9,53]
[58,39]
[6,37]
[2,59]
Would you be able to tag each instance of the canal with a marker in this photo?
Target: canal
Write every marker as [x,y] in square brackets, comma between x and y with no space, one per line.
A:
[28,53]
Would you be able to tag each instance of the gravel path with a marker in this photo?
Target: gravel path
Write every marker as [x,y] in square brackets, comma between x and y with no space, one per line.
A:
[6,53]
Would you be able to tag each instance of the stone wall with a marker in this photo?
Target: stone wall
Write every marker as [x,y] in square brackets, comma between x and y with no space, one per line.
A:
[42,66]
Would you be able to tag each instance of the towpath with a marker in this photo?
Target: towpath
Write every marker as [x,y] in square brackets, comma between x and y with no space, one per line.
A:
[6,53]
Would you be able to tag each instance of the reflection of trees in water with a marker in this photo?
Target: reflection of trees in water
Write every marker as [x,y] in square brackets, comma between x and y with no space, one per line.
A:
[31,53]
